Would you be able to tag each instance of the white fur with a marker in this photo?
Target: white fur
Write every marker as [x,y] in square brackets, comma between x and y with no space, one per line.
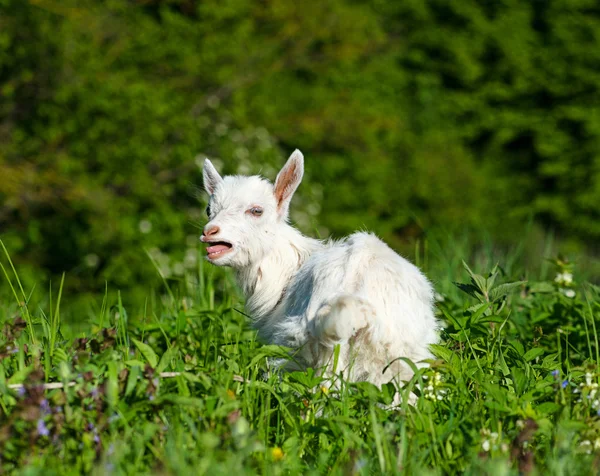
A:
[311,295]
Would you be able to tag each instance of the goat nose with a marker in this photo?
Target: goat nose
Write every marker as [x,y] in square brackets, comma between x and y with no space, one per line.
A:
[211,230]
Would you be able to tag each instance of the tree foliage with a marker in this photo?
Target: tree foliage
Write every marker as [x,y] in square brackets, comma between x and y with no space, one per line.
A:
[412,115]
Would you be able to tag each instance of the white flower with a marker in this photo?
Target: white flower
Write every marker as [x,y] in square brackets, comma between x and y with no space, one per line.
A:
[586,445]
[570,293]
[433,390]
[486,445]
[565,278]
[145,226]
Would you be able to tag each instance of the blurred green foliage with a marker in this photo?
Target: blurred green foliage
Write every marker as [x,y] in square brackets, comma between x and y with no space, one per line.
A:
[413,115]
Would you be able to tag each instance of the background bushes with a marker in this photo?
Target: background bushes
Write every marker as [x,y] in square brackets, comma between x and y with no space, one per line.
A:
[414,116]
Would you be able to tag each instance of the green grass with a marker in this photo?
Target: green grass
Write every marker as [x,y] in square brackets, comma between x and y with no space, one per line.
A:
[181,386]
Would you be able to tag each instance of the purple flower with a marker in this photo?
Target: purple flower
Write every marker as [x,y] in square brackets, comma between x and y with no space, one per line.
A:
[95,392]
[42,429]
[555,373]
[565,383]
[45,407]
[90,426]
[21,391]
[151,397]
[96,438]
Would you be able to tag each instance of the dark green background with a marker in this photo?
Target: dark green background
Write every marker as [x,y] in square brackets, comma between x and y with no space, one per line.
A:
[415,117]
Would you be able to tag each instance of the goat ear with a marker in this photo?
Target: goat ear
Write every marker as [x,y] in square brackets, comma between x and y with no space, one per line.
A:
[211,177]
[287,182]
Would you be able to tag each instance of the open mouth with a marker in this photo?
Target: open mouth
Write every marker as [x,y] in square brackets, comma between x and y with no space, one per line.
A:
[218,249]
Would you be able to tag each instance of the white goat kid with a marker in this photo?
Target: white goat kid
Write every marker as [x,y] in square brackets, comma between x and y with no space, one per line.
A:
[311,295]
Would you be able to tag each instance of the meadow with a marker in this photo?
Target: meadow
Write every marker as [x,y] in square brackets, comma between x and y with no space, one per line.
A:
[457,131]
[181,385]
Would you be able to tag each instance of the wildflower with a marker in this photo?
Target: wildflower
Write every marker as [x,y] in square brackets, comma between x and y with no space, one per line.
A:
[42,429]
[586,445]
[570,293]
[324,389]
[21,391]
[555,373]
[434,389]
[45,407]
[491,440]
[565,278]
[520,424]
[565,383]
[589,386]
[277,453]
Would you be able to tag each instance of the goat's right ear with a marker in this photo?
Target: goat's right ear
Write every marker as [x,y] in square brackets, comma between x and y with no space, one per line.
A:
[211,177]
[287,182]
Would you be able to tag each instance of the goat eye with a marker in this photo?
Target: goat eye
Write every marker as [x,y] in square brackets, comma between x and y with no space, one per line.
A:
[208,211]
[256,211]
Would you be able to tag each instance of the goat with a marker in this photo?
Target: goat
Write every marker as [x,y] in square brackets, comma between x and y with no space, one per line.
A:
[312,295]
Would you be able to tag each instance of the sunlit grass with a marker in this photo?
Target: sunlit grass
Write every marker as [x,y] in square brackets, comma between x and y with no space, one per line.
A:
[181,385]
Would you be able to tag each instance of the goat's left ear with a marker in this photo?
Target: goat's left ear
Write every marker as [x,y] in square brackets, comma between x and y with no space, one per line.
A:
[287,182]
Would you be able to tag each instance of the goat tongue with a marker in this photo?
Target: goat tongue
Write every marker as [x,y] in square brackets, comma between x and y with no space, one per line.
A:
[216,248]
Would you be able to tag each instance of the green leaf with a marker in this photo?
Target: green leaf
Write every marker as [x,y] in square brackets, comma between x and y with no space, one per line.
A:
[469,289]
[147,352]
[441,352]
[132,379]
[134,363]
[531,354]
[541,287]
[166,359]
[504,289]
[498,407]
[548,407]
